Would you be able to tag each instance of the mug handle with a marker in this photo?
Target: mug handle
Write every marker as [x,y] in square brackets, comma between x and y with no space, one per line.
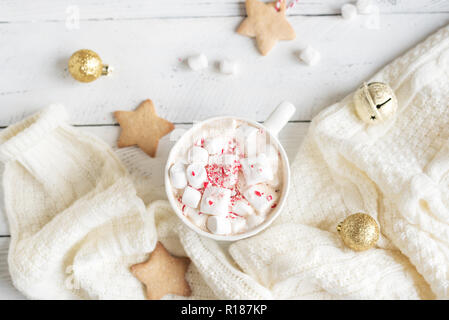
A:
[279,117]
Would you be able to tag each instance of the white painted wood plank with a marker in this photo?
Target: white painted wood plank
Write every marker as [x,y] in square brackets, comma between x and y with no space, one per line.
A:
[7,290]
[291,137]
[148,54]
[60,10]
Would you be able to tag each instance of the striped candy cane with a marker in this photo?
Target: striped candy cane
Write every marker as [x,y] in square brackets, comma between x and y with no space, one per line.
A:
[289,5]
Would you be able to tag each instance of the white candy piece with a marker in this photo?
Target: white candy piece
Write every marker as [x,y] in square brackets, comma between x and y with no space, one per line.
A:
[197,62]
[238,225]
[256,170]
[219,225]
[196,175]
[253,221]
[198,154]
[199,219]
[273,160]
[275,182]
[228,66]
[273,157]
[364,6]
[348,11]
[216,200]
[215,145]
[310,56]
[242,208]
[262,197]
[178,177]
[191,197]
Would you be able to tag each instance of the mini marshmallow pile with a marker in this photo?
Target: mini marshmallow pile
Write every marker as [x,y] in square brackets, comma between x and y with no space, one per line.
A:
[228,184]
[199,62]
[312,57]
[363,7]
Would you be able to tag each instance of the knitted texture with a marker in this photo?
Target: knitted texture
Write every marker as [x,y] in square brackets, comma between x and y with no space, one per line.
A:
[78,219]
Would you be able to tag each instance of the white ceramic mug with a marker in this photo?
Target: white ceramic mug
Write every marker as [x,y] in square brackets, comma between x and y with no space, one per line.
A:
[275,122]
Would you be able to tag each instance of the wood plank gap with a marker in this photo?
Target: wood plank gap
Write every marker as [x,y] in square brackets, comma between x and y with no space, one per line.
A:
[175,123]
[213,16]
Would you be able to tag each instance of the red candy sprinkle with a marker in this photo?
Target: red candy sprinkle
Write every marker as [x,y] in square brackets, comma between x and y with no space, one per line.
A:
[269,198]
[274,206]
[258,193]
[193,173]
[211,202]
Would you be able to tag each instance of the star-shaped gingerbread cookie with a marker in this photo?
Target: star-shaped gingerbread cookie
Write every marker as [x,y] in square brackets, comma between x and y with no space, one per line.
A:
[266,24]
[162,274]
[142,127]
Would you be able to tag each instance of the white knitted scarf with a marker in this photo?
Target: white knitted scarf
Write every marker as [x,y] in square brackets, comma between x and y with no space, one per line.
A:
[77,224]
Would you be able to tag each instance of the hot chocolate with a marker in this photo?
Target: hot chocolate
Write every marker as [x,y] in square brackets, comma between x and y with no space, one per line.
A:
[228,178]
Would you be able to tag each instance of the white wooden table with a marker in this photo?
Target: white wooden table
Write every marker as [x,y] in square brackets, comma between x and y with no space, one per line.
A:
[147,42]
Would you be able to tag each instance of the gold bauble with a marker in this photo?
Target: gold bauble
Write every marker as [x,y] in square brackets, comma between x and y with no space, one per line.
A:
[86,66]
[359,231]
[375,102]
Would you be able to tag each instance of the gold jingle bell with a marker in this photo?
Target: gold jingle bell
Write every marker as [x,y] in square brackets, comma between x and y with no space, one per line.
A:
[359,231]
[375,102]
[86,66]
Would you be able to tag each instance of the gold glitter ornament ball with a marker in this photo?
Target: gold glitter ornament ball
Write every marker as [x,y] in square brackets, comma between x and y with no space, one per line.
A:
[375,102]
[359,231]
[86,66]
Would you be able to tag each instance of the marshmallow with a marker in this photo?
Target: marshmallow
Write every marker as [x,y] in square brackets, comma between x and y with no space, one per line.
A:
[256,170]
[272,154]
[223,159]
[219,225]
[247,139]
[242,208]
[238,225]
[273,160]
[310,56]
[196,175]
[199,219]
[178,176]
[348,11]
[215,145]
[191,197]
[261,197]
[198,154]
[228,67]
[253,221]
[364,6]
[216,200]
[197,62]
[230,159]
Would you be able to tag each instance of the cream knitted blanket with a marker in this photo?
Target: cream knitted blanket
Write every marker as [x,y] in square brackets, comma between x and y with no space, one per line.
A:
[77,223]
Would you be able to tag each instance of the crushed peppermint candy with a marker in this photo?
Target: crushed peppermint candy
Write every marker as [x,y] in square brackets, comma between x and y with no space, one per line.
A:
[243,185]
